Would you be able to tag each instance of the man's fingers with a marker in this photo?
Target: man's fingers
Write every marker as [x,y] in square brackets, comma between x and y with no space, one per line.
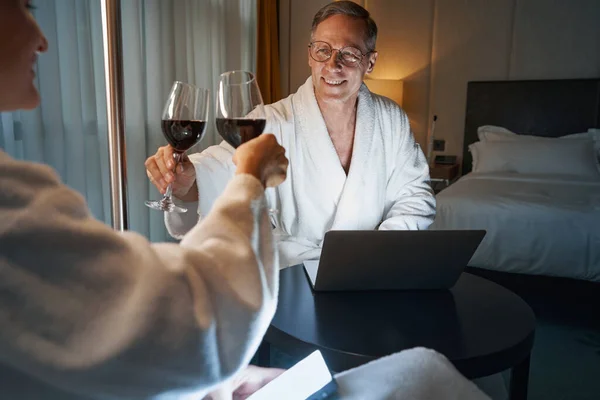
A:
[166,173]
[150,177]
[168,159]
[158,186]
[155,175]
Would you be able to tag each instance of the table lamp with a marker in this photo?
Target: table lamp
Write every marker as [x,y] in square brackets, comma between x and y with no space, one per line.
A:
[391,88]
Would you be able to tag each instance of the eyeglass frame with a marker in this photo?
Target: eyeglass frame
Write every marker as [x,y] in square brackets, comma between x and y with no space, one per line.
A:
[339,51]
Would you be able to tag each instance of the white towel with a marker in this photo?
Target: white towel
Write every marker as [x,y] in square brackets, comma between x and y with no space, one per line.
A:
[415,374]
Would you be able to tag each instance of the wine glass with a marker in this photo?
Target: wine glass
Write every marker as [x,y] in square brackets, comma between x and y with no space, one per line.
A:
[240,108]
[183,125]
[240,112]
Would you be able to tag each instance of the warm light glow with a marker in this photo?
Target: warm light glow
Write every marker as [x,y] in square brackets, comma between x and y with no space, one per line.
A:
[391,88]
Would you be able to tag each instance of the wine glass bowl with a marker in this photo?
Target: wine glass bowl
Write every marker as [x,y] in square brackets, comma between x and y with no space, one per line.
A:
[182,134]
[237,131]
[240,108]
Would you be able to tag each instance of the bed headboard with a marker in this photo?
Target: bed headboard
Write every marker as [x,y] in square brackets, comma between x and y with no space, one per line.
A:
[550,108]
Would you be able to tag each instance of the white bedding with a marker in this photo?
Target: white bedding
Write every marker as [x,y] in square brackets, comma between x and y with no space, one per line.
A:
[536,224]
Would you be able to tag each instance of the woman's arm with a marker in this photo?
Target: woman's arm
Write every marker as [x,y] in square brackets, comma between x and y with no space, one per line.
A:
[97,312]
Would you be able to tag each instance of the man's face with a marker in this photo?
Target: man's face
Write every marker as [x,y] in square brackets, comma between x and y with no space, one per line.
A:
[334,81]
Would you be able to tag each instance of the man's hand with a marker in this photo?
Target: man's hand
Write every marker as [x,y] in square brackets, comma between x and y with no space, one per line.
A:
[161,171]
[245,383]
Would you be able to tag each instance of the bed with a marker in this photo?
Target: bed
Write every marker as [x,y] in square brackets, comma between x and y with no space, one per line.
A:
[542,215]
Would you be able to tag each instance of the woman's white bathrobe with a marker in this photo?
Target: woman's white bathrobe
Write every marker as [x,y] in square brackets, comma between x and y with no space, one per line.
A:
[86,312]
[386,186]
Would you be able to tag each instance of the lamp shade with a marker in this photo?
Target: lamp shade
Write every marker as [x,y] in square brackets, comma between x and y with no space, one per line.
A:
[391,88]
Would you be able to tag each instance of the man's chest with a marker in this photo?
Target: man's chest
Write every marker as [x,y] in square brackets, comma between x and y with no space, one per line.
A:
[343,143]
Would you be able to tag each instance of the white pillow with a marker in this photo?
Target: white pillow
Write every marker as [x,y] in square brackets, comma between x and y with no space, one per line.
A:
[491,132]
[568,157]
[496,133]
[594,134]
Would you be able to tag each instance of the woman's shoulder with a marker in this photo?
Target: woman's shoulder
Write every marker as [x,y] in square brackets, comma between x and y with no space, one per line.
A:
[26,171]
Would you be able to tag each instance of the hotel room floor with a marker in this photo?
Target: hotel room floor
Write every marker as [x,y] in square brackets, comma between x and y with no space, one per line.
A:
[565,362]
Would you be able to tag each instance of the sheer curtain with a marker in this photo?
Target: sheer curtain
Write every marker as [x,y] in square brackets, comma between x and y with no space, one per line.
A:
[163,40]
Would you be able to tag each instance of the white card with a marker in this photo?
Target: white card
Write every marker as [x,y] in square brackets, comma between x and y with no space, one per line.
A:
[299,382]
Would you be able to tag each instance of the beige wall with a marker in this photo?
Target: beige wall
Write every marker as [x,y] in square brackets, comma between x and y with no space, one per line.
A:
[437,46]
[295,19]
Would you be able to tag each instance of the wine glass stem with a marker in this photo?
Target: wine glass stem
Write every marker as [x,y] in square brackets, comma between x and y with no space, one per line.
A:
[273,210]
[168,197]
[169,192]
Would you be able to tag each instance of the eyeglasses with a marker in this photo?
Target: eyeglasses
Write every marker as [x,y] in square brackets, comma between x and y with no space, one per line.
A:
[349,56]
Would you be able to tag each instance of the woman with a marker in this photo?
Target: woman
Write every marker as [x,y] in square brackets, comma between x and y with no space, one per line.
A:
[88,312]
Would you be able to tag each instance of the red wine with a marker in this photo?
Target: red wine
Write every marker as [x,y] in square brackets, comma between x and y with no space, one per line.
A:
[182,134]
[238,131]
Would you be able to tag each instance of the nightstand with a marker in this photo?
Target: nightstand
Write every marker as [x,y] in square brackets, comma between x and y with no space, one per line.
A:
[442,176]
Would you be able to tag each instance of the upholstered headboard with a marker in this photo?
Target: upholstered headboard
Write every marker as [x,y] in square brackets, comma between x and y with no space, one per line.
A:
[550,108]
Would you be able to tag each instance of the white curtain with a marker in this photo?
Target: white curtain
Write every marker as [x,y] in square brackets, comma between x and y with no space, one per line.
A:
[163,40]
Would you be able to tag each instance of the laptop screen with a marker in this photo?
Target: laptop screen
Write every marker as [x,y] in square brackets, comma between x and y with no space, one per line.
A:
[311,267]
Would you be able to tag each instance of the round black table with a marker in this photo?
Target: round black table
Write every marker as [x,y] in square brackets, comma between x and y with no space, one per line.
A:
[481,327]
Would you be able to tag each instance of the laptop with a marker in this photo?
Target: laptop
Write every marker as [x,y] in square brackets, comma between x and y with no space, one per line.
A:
[392,260]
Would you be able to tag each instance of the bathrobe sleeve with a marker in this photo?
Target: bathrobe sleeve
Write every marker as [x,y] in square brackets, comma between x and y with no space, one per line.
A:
[102,313]
[409,202]
[214,169]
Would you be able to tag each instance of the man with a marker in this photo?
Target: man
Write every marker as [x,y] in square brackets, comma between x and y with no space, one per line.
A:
[354,163]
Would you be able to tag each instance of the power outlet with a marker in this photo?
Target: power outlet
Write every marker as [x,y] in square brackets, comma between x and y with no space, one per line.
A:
[439,144]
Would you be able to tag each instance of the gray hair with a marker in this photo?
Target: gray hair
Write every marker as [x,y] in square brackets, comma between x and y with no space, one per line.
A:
[350,9]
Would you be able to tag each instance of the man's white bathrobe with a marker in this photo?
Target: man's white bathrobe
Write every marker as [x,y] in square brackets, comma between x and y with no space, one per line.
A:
[386,186]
